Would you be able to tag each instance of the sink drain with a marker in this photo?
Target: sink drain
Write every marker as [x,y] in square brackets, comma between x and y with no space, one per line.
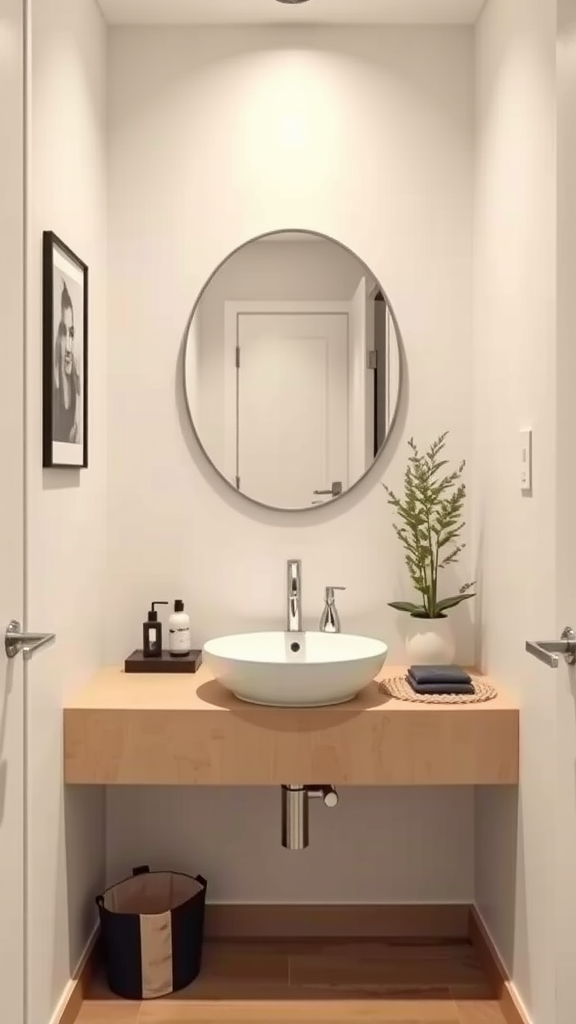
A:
[295,812]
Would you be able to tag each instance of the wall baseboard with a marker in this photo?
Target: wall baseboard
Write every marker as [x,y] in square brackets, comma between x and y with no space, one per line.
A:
[75,992]
[314,921]
[497,974]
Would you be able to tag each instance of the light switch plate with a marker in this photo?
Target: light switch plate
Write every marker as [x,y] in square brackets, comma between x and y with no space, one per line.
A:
[526,461]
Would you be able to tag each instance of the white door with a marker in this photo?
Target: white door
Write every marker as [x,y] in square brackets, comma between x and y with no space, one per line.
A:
[11,509]
[563,681]
[292,406]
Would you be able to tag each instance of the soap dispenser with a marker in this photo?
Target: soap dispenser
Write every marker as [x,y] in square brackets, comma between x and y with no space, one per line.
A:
[330,619]
[179,632]
[152,633]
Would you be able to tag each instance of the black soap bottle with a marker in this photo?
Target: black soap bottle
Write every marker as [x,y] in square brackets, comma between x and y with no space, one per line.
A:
[152,633]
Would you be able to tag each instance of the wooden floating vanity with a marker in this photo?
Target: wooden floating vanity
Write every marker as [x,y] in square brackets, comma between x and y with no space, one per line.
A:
[189,731]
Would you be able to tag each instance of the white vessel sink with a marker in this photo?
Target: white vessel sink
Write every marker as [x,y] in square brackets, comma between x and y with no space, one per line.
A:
[296,670]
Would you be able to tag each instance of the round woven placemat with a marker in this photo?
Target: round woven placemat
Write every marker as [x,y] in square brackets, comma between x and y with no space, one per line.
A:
[399,688]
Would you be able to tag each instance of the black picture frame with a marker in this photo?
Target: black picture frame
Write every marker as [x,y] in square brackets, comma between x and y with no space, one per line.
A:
[64,356]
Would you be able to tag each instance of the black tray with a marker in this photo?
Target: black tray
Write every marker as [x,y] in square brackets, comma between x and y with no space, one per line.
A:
[136,662]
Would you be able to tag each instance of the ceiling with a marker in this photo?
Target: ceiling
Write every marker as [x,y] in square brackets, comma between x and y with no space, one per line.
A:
[262,12]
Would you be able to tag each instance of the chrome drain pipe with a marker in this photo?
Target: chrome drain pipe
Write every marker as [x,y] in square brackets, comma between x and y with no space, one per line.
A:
[295,812]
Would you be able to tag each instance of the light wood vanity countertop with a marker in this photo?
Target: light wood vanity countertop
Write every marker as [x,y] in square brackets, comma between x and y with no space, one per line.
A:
[187,730]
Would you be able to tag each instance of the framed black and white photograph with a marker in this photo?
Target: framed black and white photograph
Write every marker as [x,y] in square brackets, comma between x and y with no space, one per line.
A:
[65,356]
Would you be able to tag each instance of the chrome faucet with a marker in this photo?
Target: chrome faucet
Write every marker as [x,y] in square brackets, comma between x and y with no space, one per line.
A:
[294,596]
[330,619]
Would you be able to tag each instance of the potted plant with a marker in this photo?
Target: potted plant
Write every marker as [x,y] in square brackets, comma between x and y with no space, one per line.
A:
[430,528]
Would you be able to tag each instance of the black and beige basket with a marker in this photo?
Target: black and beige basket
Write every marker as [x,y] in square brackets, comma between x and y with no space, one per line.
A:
[152,928]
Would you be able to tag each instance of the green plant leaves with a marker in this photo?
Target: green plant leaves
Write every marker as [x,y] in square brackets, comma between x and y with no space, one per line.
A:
[407,606]
[452,602]
[431,523]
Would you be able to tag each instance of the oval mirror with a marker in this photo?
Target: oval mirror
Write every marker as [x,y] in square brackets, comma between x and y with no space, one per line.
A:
[293,369]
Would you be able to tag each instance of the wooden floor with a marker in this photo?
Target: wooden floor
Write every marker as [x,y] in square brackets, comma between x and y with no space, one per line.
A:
[301,982]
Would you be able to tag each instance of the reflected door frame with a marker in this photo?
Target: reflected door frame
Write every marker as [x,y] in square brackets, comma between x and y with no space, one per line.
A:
[233,310]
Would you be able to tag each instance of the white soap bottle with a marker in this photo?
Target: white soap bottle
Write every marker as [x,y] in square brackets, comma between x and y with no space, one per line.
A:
[179,632]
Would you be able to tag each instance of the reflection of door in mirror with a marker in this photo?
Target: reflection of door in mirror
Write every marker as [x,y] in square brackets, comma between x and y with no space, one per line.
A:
[292,427]
[292,370]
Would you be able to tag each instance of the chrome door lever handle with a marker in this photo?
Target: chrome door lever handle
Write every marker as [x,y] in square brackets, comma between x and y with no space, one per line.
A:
[548,651]
[335,490]
[15,640]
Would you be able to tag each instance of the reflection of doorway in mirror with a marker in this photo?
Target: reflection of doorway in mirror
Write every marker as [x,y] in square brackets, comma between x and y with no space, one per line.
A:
[386,371]
[284,424]
[292,404]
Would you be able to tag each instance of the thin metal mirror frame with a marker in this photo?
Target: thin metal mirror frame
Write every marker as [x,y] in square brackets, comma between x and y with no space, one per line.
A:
[298,510]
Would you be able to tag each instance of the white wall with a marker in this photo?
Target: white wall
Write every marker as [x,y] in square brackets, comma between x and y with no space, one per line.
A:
[357,381]
[234,835]
[217,136]
[515,387]
[66,539]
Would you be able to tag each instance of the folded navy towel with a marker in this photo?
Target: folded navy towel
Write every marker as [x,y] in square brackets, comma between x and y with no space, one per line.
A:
[434,688]
[438,674]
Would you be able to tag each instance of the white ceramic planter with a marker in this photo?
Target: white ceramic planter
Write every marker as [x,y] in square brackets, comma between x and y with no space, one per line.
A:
[429,641]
